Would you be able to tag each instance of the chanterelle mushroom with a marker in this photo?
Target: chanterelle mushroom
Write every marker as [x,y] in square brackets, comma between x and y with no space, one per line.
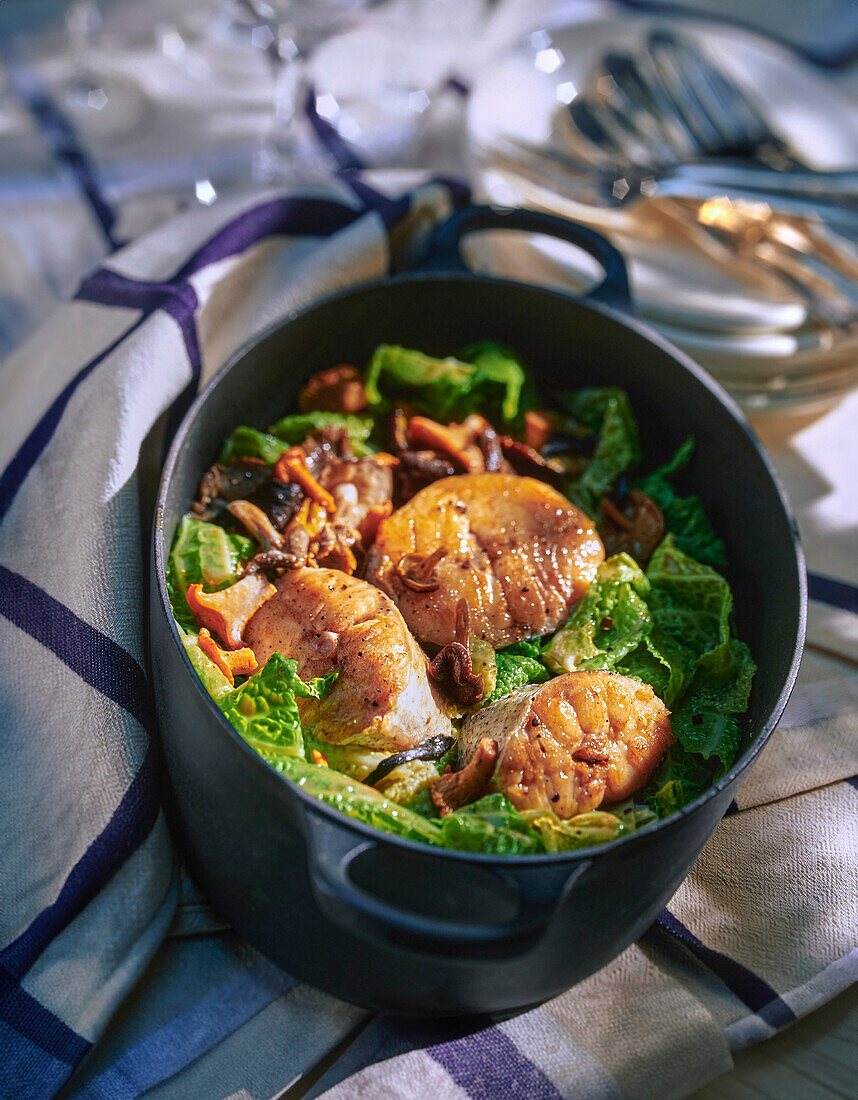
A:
[452,668]
[453,790]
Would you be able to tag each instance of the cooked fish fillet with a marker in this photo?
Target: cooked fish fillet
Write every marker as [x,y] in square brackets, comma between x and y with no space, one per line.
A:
[325,619]
[518,551]
[569,745]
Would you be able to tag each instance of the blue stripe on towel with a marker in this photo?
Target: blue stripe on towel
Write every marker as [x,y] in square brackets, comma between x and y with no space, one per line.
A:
[749,987]
[488,1064]
[28,453]
[459,86]
[97,659]
[174,1046]
[834,593]
[483,1061]
[852,780]
[315,217]
[293,217]
[60,136]
[286,216]
[178,299]
[111,670]
[27,1071]
[387,1037]
[34,1023]
[107,287]
[130,824]
[390,210]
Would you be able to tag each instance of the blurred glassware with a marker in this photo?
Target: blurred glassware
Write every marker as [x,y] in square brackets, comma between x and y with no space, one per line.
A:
[290,31]
[356,77]
[380,81]
[772,323]
[102,103]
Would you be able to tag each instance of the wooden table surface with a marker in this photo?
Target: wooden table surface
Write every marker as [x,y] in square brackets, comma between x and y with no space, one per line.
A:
[816,1057]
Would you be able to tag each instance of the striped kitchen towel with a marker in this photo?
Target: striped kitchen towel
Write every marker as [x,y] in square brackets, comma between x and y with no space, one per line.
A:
[88,883]
[762,932]
[109,961]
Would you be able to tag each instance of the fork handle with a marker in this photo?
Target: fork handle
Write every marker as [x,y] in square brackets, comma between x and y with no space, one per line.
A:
[840,187]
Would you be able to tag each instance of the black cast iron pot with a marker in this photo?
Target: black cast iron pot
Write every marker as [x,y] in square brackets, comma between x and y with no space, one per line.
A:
[395,925]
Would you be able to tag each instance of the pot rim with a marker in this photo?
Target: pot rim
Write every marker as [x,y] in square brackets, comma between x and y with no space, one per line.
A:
[718,393]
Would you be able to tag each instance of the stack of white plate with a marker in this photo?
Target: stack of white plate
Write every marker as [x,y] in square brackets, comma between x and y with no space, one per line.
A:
[736,316]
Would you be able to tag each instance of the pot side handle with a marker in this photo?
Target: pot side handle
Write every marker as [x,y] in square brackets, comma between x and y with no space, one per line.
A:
[333,849]
[444,249]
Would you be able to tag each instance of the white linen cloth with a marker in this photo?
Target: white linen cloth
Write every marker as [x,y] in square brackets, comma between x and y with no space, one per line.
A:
[107,960]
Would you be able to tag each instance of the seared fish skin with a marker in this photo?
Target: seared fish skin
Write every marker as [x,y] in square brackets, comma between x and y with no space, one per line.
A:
[573,743]
[325,619]
[518,551]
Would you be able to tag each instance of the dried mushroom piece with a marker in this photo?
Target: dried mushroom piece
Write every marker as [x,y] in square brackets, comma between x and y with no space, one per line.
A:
[635,527]
[231,662]
[539,426]
[325,443]
[433,748]
[428,463]
[417,571]
[306,526]
[339,389]
[453,790]
[226,613]
[458,442]
[399,430]
[452,667]
[490,448]
[335,548]
[418,466]
[221,484]
[279,500]
[527,462]
[256,523]
[271,560]
[292,466]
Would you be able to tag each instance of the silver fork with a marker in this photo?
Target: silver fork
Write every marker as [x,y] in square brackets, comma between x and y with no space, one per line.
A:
[626,184]
[716,109]
[705,122]
[820,271]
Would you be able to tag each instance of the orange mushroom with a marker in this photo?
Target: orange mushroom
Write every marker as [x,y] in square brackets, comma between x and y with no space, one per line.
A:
[232,663]
[339,389]
[539,426]
[226,613]
[292,466]
[458,441]
[310,517]
[370,523]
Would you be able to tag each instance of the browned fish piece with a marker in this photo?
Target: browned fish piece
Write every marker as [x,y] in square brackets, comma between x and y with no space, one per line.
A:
[574,743]
[518,551]
[327,620]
